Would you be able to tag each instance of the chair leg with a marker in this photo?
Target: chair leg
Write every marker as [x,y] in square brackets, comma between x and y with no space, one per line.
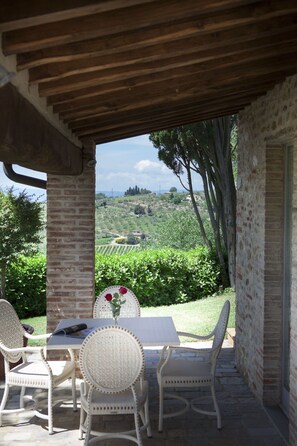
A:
[81,423]
[216,406]
[22,394]
[74,392]
[4,401]
[161,408]
[50,410]
[88,430]
[147,419]
[137,429]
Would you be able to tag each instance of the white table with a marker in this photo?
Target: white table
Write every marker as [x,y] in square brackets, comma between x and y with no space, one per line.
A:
[151,331]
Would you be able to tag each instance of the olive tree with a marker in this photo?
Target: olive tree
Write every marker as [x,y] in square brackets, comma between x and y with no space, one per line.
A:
[172,233]
[20,226]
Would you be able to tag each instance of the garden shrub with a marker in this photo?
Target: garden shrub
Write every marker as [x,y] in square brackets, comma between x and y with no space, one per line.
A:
[158,277]
[26,286]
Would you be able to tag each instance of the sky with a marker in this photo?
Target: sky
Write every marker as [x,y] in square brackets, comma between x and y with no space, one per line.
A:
[120,165]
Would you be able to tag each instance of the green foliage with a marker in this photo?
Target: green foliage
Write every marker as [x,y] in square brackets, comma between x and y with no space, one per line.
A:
[206,149]
[100,195]
[177,199]
[136,191]
[20,226]
[179,231]
[20,223]
[139,210]
[160,277]
[132,240]
[118,218]
[26,285]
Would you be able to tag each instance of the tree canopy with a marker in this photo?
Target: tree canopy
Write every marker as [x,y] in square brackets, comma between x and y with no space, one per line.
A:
[136,191]
[179,231]
[206,149]
[20,226]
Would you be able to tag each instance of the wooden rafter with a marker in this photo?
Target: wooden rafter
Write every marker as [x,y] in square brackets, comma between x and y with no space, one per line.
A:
[117,68]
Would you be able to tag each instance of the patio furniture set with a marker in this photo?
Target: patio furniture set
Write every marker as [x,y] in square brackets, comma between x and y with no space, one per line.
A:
[111,360]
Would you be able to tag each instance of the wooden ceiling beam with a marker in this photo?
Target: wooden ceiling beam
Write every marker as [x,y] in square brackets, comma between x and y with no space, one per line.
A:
[141,115]
[163,122]
[139,17]
[122,87]
[189,106]
[167,34]
[173,55]
[19,14]
[94,123]
[122,84]
[150,71]
[158,109]
[108,23]
[173,89]
[154,125]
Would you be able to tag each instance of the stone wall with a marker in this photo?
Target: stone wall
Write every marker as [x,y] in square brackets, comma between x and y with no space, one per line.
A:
[266,128]
[71,243]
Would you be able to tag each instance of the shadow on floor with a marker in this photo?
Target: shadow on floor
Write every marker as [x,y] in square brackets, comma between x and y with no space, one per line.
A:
[245,421]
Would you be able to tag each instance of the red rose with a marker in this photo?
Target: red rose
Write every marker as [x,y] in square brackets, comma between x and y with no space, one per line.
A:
[123,290]
[108,297]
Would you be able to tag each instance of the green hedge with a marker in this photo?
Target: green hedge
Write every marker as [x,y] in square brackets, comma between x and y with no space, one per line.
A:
[158,277]
[26,286]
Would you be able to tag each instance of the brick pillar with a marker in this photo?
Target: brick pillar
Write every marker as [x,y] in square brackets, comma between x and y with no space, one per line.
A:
[71,243]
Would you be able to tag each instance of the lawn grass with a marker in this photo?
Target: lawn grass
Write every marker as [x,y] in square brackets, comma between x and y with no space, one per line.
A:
[198,317]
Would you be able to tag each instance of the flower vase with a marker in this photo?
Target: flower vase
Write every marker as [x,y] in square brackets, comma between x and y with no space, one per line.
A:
[116,315]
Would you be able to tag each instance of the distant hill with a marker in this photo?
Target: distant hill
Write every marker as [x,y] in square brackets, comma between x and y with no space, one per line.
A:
[117,193]
[138,214]
[117,216]
[113,193]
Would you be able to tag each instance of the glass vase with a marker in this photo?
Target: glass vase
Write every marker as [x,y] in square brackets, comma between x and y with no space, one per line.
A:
[116,315]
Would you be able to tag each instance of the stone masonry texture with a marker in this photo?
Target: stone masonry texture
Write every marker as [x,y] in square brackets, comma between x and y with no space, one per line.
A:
[266,128]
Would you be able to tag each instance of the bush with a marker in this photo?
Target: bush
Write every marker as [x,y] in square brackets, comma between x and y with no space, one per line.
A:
[160,277]
[139,210]
[26,286]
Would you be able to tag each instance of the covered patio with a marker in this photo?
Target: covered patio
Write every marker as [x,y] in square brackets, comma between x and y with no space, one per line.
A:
[245,422]
[79,73]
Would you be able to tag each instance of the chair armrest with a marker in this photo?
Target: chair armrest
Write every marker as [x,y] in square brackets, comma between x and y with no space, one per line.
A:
[33,337]
[190,349]
[83,388]
[193,336]
[29,349]
[167,352]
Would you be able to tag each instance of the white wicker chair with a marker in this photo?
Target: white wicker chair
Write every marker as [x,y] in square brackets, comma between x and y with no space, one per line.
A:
[39,373]
[198,370]
[112,364]
[102,308]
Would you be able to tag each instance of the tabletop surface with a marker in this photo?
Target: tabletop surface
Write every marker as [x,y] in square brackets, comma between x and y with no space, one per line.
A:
[151,331]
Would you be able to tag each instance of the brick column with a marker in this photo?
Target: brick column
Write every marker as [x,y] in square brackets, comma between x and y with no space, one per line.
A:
[71,243]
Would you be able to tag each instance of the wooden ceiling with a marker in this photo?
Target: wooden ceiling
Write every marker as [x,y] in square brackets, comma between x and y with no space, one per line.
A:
[118,68]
